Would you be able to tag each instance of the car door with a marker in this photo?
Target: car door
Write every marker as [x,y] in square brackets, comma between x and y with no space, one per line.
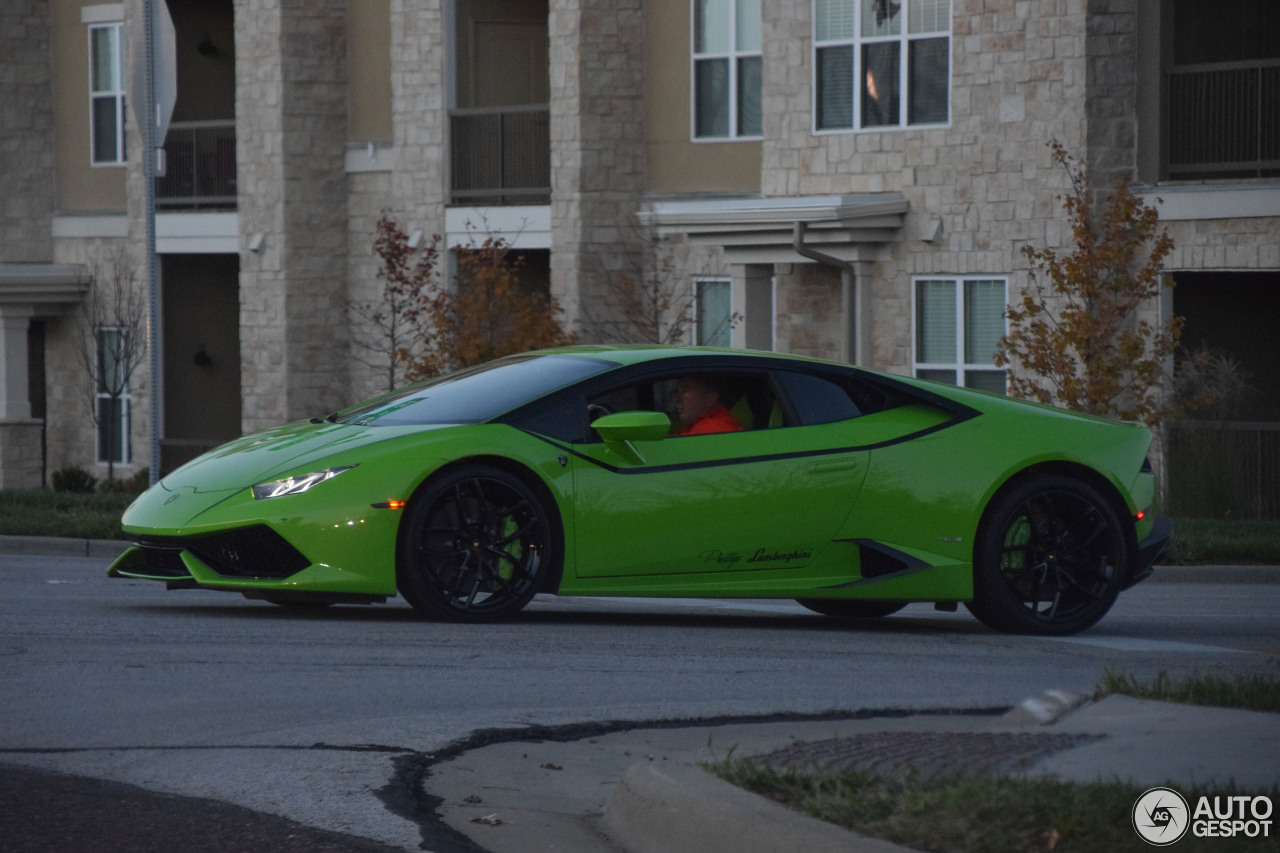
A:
[765,498]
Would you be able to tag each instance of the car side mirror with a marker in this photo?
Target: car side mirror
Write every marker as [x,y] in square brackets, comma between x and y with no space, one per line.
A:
[621,429]
[633,426]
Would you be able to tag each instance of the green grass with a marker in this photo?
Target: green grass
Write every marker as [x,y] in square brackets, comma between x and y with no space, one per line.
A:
[79,516]
[1250,692]
[975,815]
[1201,541]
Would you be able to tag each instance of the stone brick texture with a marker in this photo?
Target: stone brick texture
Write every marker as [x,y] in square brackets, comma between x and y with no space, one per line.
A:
[26,133]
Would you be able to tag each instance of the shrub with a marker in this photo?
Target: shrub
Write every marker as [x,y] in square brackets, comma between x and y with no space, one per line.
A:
[135,484]
[75,480]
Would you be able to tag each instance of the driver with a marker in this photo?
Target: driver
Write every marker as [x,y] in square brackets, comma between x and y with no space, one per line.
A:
[699,408]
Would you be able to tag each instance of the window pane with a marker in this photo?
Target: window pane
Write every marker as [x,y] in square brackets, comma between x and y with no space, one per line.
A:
[749,96]
[103,60]
[711,26]
[748,25]
[712,92]
[713,313]
[929,60]
[880,84]
[834,19]
[835,87]
[112,428]
[983,320]
[936,323]
[105,143]
[881,17]
[929,16]
[110,366]
[985,380]
[947,376]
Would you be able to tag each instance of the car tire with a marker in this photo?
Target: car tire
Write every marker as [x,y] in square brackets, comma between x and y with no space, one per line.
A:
[1051,558]
[474,545]
[847,608]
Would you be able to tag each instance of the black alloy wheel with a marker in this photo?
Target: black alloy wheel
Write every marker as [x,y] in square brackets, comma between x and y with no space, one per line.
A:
[1051,558]
[473,546]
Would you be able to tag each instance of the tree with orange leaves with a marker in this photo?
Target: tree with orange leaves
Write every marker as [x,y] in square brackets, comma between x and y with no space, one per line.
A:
[1081,339]
[489,312]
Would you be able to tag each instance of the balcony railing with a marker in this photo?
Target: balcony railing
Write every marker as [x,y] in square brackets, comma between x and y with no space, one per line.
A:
[200,166]
[1224,121]
[501,156]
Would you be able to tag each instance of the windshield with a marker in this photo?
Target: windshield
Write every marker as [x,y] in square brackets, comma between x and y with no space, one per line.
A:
[476,394]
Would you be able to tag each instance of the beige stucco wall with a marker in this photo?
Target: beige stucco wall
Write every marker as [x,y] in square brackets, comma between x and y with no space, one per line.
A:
[369,71]
[677,164]
[81,185]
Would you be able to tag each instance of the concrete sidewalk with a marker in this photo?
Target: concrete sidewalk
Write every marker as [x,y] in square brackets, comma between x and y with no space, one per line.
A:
[644,791]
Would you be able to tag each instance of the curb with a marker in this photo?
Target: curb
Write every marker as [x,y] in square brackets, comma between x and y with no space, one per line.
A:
[1215,574]
[49,546]
[683,809]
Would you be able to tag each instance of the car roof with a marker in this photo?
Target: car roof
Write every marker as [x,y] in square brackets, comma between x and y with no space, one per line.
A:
[629,354]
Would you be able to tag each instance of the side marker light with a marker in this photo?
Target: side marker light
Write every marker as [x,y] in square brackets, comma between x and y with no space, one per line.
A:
[390,504]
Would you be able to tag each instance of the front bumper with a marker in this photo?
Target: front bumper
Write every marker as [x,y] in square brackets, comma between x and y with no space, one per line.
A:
[1151,549]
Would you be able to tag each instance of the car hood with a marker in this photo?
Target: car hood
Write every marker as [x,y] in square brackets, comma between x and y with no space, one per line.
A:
[264,456]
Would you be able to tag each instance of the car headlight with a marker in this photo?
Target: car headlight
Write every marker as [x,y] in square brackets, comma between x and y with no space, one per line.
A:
[296,485]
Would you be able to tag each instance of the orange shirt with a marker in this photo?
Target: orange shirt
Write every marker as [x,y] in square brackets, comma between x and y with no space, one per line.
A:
[718,419]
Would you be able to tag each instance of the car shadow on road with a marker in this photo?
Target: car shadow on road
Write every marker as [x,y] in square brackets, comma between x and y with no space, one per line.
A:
[919,622]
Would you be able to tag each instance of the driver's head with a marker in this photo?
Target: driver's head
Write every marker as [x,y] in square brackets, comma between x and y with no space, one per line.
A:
[695,397]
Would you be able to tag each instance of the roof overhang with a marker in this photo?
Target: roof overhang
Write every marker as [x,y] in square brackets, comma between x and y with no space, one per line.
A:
[764,230]
[43,288]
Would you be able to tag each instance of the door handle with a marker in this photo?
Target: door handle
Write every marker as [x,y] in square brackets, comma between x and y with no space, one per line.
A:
[833,467]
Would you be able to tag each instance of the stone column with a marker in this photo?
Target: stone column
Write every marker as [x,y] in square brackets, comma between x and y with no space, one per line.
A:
[753,300]
[419,115]
[597,150]
[19,432]
[14,398]
[291,103]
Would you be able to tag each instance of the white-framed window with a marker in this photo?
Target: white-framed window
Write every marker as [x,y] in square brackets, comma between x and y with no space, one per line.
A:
[713,312]
[106,94]
[958,324]
[726,69]
[881,63]
[113,396]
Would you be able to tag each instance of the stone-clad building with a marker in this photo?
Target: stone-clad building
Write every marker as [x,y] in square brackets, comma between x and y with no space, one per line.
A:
[851,179]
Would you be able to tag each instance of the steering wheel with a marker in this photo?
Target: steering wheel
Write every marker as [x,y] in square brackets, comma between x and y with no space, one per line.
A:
[595,411]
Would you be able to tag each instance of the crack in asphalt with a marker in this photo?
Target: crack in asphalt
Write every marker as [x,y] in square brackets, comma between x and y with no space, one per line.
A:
[405,795]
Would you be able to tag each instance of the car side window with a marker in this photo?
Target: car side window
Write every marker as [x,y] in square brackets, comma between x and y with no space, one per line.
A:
[818,400]
[749,397]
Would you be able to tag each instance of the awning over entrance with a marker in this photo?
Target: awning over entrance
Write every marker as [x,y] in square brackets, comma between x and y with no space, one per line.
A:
[757,230]
[44,288]
[27,291]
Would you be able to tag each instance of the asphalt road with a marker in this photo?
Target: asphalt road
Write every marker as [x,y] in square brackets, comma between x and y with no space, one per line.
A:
[327,717]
